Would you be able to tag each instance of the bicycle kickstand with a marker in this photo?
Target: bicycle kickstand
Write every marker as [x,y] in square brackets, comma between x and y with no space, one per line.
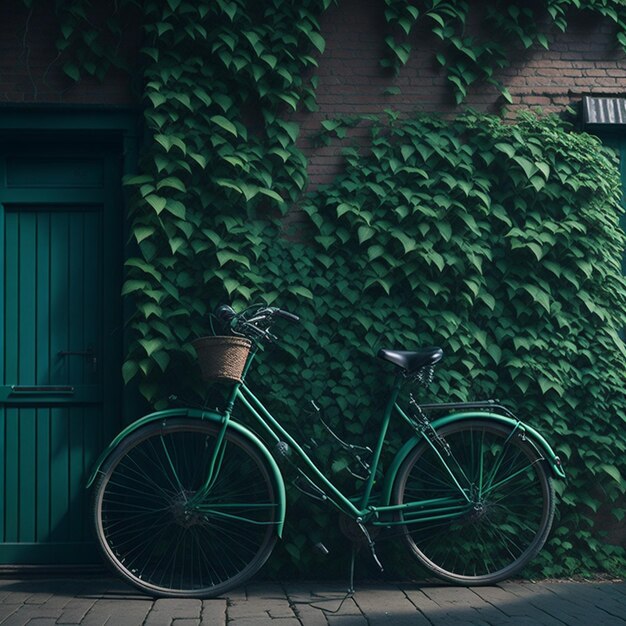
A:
[371,545]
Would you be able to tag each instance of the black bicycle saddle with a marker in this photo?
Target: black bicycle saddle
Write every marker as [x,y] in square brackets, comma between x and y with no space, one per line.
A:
[412,359]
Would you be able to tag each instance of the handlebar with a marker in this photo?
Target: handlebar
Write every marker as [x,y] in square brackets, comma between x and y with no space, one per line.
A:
[225,313]
[286,315]
[253,322]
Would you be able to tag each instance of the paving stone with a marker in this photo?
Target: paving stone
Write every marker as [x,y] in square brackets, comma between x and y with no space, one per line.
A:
[327,599]
[213,612]
[309,616]
[346,620]
[6,611]
[268,621]
[513,607]
[108,602]
[450,605]
[111,611]
[260,608]
[16,596]
[387,605]
[75,610]
[27,613]
[568,606]
[590,598]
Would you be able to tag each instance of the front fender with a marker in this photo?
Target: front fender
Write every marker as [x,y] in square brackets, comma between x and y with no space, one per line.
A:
[553,460]
[210,416]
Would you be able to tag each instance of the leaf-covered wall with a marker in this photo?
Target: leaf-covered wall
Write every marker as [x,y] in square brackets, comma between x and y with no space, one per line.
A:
[497,241]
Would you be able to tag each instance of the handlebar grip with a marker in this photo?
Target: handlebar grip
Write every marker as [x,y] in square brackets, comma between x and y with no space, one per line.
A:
[286,315]
[225,313]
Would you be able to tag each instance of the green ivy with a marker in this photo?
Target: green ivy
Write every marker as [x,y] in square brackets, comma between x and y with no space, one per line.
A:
[469,55]
[222,163]
[498,242]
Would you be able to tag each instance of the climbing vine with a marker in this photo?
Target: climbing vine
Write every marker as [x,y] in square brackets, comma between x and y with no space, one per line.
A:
[498,242]
[222,165]
[479,38]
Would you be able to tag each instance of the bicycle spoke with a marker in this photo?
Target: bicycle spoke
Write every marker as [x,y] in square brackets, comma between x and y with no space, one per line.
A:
[510,509]
[155,534]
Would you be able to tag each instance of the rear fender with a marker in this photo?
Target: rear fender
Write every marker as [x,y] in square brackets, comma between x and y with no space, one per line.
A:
[210,416]
[535,437]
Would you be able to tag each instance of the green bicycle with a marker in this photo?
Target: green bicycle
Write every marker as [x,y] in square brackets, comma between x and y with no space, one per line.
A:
[189,502]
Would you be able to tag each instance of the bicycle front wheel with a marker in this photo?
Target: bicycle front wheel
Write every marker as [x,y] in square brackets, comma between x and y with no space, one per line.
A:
[177,513]
[487,510]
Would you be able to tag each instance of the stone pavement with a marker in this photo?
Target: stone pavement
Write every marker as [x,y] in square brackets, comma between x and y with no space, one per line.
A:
[98,601]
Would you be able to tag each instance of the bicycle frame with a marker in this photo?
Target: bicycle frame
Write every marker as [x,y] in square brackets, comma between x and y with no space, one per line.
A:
[364,511]
[361,509]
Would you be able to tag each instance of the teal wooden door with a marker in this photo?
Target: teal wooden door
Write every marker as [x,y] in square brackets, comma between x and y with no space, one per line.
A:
[60,336]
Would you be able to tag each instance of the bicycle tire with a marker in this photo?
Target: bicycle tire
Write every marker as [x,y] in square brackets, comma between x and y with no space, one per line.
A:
[153,536]
[507,516]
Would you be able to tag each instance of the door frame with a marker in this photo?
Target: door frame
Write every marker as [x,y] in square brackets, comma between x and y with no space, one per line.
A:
[117,131]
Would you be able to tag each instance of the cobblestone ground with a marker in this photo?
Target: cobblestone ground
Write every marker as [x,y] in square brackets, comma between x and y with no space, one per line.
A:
[103,601]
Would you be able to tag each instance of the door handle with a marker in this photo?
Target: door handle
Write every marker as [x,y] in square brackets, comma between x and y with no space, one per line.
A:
[88,354]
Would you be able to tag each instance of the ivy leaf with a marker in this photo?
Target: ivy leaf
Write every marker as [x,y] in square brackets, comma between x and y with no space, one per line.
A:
[291,128]
[318,41]
[151,345]
[248,190]
[173,183]
[129,370]
[539,296]
[270,193]
[301,291]
[203,96]
[130,286]
[364,233]
[157,99]
[156,202]
[176,208]
[373,252]
[224,257]
[543,167]
[407,243]
[436,18]
[495,352]
[71,70]
[227,125]
[528,166]
[143,232]
[200,159]
[612,471]
[507,148]
[506,94]
[162,359]
[446,230]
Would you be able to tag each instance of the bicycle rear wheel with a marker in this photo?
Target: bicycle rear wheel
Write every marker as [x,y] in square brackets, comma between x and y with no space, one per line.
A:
[167,535]
[503,516]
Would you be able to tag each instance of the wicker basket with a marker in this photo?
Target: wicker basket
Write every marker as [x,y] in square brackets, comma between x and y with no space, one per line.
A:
[222,358]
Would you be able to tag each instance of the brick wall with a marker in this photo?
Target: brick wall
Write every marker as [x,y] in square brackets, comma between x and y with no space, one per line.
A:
[583,60]
[31,72]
